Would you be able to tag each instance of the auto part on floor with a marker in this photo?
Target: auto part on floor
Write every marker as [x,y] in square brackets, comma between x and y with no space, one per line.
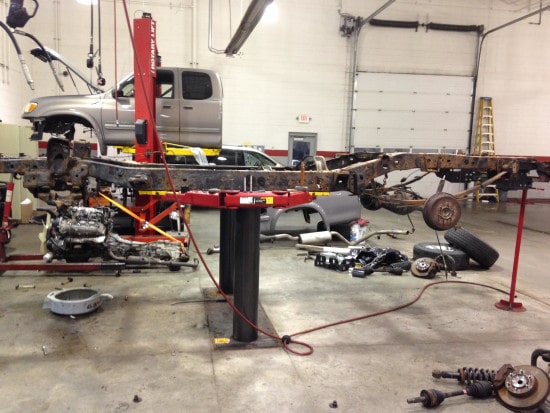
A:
[272,238]
[389,259]
[323,237]
[524,388]
[466,375]
[434,250]
[333,261]
[519,388]
[75,301]
[478,250]
[424,268]
[433,398]
[364,261]
[81,233]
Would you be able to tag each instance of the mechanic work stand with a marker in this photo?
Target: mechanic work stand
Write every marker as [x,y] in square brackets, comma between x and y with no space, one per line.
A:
[510,305]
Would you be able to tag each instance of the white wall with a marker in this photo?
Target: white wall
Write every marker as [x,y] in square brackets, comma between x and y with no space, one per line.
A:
[300,64]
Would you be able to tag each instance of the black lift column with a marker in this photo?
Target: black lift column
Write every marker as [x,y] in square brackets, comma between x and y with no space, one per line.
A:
[247,273]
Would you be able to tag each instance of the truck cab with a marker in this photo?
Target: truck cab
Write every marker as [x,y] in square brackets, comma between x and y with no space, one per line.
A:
[188,110]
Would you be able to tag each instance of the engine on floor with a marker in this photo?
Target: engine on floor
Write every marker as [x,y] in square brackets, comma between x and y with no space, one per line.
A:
[79,234]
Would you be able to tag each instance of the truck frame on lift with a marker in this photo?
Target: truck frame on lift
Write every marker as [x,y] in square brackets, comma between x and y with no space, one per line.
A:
[62,176]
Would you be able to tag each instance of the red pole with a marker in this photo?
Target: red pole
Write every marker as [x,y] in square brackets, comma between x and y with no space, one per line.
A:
[7,206]
[511,305]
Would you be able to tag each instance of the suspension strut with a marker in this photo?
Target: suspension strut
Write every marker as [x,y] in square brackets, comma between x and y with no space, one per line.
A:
[519,388]
[466,375]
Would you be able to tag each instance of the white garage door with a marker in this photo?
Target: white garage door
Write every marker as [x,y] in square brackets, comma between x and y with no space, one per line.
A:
[412,112]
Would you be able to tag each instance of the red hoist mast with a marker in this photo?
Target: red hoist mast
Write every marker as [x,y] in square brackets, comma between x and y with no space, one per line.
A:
[146,61]
[147,144]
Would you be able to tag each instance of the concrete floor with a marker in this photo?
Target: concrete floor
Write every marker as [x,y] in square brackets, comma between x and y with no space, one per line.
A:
[153,341]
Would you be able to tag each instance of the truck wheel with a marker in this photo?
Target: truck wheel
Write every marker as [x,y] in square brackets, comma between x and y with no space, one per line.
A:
[478,250]
[432,250]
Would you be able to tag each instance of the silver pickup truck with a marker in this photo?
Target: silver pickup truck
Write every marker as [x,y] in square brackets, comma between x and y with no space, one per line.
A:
[188,105]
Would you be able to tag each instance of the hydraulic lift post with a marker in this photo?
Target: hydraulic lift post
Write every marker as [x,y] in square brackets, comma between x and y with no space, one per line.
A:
[145,74]
[228,222]
[247,273]
[239,229]
[239,264]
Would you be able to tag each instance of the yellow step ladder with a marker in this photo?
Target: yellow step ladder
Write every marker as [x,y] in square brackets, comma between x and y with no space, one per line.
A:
[484,144]
[485,136]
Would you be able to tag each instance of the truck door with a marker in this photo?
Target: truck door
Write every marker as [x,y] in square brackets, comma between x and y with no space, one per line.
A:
[168,107]
[119,122]
[201,109]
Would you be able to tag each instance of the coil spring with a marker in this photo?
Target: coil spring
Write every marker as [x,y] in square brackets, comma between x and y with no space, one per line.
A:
[469,375]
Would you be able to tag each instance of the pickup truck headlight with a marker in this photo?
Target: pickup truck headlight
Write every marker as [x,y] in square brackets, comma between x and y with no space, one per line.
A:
[29,107]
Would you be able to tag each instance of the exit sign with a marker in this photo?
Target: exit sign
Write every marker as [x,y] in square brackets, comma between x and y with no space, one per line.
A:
[303,118]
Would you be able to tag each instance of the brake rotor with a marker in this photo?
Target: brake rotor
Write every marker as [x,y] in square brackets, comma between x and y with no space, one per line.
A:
[524,388]
[441,211]
[424,268]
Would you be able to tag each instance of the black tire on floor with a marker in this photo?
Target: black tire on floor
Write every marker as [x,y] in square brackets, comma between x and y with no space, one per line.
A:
[478,250]
[432,250]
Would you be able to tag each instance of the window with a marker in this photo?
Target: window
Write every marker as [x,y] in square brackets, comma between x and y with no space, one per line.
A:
[165,84]
[126,88]
[257,159]
[196,85]
[228,157]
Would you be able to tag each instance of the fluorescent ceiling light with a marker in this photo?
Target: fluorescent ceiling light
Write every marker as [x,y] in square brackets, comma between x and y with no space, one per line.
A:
[249,21]
[271,14]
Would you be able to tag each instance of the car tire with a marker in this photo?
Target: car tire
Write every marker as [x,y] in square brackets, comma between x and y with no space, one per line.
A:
[478,250]
[433,250]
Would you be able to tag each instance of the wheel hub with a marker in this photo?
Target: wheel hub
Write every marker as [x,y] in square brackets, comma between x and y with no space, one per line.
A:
[441,211]
[524,388]
[424,268]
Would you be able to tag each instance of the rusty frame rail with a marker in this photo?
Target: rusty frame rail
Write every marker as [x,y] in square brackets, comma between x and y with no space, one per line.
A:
[59,171]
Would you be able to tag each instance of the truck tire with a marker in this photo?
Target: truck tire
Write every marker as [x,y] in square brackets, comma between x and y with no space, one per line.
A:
[432,250]
[478,250]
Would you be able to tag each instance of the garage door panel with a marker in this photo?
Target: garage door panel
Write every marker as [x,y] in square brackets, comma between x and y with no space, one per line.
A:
[412,101]
[419,83]
[411,120]
[398,137]
[407,110]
